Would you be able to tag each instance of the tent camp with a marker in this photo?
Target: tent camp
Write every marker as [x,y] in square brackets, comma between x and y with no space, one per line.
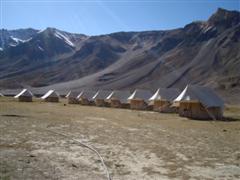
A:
[85,97]
[199,102]
[24,96]
[51,96]
[100,98]
[119,99]
[72,98]
[139,99]
[163,98]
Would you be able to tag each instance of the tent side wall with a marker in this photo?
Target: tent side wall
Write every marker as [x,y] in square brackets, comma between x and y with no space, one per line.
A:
[125,105]
[163,106]
[84,101]
[25,99]
[195,110]
[52,99]
[217,112]
[100,102]
[115,103]
[72,100]
[138,104]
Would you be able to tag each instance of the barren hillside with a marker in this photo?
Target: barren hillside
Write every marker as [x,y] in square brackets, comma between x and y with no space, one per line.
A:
[202,52]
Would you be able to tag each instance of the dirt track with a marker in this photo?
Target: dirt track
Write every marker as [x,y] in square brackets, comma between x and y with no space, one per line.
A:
[134,144]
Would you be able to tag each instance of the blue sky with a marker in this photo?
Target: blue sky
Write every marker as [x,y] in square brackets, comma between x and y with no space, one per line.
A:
[95,17]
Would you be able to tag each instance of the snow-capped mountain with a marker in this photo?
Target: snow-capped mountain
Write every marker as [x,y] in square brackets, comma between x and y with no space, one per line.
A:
[15,37]
[12,38]
[45,45]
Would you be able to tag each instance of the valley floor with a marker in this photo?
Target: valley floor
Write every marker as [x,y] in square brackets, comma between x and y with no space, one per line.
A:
[134,144]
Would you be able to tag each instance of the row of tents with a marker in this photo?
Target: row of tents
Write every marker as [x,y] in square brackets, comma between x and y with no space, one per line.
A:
[197,102]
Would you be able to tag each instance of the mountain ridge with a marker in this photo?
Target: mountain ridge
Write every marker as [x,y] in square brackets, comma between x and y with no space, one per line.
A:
[202,52]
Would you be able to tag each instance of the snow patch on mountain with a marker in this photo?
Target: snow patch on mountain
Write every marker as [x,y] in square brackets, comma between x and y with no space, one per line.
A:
[66,39]
[27,40]
[40,48]
[40,31]
[13,45]
[16,39]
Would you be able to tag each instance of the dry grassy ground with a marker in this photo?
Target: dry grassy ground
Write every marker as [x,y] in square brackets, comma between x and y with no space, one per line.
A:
[134,144]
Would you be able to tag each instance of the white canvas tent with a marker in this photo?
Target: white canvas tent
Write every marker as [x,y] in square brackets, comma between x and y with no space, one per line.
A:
[122,96]
[1,95]
[101,94]
[24,96]
[51,96]
[203,94]
[139,99]
[100,97]
[119,98]
[140,94]
[85,97]
[200,102]
[163,98]
[88,94]
[72,97]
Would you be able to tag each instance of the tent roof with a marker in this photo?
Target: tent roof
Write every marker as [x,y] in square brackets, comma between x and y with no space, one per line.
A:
[88,94]
[50,93]
[68,94]
[72,94]
[24,93]
[140,94]
[11,92]
[122,96]
[62,92]
[204,95]
[168,94]
[102,94]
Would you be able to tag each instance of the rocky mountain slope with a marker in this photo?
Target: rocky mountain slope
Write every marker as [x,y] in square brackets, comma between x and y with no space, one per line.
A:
[202,52]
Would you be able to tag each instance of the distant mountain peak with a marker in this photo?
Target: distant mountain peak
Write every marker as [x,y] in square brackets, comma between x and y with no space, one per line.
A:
[48,30]
[222,16]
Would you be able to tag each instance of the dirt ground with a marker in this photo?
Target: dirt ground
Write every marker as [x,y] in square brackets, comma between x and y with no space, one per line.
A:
[135,145]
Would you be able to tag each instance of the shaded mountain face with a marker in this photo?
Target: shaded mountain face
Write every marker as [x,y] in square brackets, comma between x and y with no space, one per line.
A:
[202,52]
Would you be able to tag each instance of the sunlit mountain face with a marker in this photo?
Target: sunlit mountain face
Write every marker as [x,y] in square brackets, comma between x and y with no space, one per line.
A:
[202,52]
